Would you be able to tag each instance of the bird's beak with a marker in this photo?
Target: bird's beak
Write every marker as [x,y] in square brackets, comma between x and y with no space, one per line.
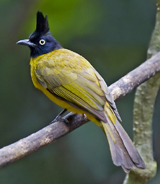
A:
[26,42]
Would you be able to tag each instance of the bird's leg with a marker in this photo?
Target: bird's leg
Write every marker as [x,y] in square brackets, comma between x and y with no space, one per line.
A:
[59,117]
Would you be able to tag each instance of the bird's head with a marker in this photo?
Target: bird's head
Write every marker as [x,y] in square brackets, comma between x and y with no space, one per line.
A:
[40,41]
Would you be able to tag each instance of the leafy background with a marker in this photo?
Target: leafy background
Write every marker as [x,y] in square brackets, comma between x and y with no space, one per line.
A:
[114,37]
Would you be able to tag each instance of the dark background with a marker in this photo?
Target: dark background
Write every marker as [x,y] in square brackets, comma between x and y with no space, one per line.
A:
[114,37]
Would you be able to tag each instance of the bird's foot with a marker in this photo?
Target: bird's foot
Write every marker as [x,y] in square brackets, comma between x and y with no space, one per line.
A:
[60,118]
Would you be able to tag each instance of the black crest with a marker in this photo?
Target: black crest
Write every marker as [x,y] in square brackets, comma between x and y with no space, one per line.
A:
[42,26]
[42,23]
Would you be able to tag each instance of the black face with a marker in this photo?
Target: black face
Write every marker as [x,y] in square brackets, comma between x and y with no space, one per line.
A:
[40,41]
[43,44]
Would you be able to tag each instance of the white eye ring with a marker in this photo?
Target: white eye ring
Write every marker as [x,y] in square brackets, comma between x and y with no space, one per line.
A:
[42,42]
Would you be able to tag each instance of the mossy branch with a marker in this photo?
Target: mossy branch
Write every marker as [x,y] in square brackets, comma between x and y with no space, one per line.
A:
[143,114]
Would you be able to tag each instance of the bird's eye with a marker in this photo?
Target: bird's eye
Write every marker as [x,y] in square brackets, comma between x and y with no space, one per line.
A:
[42,42]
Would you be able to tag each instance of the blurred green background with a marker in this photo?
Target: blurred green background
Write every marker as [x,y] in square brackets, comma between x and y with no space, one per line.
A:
[114,37]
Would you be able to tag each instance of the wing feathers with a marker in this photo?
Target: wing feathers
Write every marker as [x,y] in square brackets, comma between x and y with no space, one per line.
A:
[77,102]
[108,95]
[91,85]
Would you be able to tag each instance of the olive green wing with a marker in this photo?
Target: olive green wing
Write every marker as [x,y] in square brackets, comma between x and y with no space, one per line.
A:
[74,80]
[79,87]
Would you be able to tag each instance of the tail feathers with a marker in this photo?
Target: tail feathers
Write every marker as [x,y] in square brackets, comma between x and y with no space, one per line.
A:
[136,158]
[122,149]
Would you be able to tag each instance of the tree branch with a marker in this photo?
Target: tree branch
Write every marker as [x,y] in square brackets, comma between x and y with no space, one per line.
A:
[52,132]
[143,114]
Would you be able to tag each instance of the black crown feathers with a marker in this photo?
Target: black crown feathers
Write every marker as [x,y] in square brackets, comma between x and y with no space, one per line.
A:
[42,26]
[42,23]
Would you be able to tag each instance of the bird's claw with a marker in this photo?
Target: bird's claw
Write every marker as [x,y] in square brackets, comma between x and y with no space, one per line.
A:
[61,119]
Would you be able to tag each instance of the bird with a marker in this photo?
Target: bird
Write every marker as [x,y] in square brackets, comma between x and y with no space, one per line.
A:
[71,82]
